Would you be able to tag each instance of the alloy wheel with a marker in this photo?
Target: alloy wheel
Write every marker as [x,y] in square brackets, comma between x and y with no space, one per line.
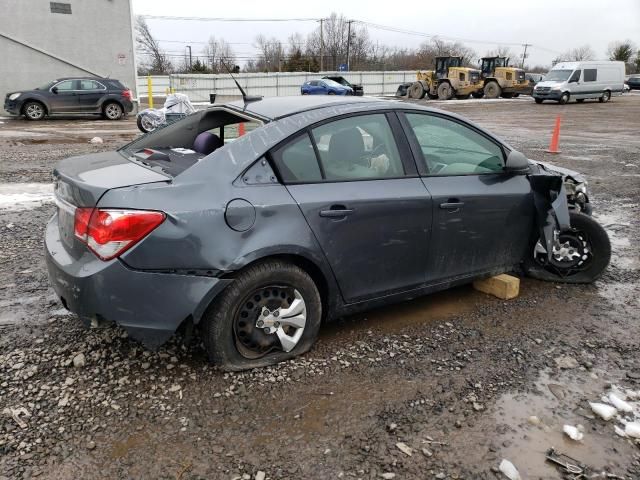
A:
[271,318]
[35,111]
[113,111]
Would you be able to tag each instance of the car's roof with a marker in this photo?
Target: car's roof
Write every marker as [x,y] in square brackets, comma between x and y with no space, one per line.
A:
[274,108]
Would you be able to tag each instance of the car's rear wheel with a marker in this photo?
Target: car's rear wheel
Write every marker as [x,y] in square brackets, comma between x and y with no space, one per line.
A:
[606,96]
[581,255]
[270,313]
[538,100]
[34,111]
[112,111]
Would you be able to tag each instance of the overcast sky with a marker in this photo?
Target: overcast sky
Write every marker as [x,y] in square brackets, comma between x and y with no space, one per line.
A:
[552,26]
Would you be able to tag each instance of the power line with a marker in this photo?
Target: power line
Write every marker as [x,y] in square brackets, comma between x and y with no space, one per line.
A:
[232,19]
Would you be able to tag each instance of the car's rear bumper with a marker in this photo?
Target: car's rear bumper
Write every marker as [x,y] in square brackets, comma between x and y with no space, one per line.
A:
[127,105]
[149,305]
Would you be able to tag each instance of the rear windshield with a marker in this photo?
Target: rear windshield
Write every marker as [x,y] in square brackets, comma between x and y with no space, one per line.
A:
[180,143]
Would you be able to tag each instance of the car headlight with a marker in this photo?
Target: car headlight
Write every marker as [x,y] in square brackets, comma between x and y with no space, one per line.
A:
[557,89]
[14,96]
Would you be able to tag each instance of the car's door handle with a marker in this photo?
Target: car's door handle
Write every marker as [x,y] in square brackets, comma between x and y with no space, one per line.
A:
[452,204]
[336,211]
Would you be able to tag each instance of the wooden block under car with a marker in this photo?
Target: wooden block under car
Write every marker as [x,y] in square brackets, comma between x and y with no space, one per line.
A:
[502,286]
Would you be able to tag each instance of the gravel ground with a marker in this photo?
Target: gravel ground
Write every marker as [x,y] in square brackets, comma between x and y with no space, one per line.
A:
[441,387]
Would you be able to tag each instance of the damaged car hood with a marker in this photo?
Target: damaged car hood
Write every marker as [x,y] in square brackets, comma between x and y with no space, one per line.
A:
[565,172]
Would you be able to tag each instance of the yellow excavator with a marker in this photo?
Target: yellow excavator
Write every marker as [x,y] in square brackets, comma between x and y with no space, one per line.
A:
[449,79]
[501,80]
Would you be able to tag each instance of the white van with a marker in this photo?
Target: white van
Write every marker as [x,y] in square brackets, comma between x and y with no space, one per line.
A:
[580,80]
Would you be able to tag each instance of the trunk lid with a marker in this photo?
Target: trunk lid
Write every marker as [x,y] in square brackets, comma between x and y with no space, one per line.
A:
[82,181]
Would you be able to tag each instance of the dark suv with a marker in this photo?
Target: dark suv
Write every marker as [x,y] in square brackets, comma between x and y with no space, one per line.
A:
[79,95]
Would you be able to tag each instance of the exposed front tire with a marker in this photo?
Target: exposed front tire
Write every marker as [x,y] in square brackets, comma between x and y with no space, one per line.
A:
[34,111]
[416,91]
[564,98]
[582,254]
[606,96]
[492,90]
[112,111]
[270,313]
[445,91]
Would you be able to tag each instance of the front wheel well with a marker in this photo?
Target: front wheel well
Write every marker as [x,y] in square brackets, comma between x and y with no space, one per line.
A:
[34,100]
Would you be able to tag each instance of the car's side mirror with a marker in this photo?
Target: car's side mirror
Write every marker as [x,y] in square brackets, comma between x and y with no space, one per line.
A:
[54,89]
[516,162]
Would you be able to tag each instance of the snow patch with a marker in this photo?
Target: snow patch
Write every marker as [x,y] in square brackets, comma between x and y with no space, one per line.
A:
[24,196]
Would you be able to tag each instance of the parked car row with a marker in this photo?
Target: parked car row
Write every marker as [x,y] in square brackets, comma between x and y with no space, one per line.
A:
[69,96]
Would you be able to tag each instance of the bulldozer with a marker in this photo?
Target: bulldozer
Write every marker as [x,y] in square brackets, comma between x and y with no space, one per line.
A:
[449,79]
[499,79]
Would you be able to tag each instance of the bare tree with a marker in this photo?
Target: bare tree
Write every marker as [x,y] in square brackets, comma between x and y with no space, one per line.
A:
[585,52]
[149,46]
[218,52]
[271,56]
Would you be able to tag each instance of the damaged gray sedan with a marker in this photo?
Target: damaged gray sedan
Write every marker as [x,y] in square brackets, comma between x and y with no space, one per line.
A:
[329,206]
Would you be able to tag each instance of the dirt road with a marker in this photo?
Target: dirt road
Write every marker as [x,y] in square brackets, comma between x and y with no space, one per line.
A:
[442,387]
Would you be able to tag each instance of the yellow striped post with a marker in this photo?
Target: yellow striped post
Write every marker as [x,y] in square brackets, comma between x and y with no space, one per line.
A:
[150,90]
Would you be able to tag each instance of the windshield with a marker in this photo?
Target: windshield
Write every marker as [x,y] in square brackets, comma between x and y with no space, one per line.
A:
[558,75]
[46,86]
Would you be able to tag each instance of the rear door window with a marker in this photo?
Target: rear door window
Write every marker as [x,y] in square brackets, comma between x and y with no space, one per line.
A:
[296,161]
[90,85]
[590,74]
[358,148]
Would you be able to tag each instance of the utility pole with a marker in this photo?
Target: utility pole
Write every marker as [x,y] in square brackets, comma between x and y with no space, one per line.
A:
[190,62]
[524,54]
[349,22]
[321,46]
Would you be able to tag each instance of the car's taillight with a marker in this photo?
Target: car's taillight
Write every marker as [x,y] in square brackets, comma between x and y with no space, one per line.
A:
[127,94]
[110,232]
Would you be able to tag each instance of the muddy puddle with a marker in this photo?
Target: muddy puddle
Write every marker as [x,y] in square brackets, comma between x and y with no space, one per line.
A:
[406,315]
[555,402]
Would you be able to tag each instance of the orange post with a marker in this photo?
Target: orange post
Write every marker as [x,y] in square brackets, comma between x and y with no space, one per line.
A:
[240,129]
[555,138]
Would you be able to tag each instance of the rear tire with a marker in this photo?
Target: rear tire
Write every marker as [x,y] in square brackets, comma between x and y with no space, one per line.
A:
[492,90]
[445,91]
[230,324]
[538,100]
[564,98]
[34,111]
[591,241]
[112,111]
[606,96]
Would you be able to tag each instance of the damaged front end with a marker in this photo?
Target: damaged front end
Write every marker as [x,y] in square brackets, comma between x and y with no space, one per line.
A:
[575,185]
[571,246]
